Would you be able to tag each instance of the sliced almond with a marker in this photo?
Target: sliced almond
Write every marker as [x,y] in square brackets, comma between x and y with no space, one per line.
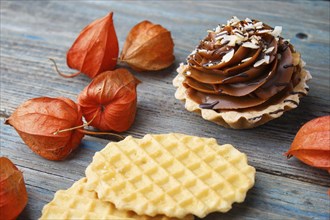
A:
[267,58]
[254,41]
[249,27]
[228,56]
[233,21]
[231,38]
[258,25]
[277,31]
[217,29]
[234,40]
[259,63]
[221,33]
[264,31]
[217,43]
[255,37]
[224,41]
[269,50]
[246,59]
[250,45]
[239,34]
[201,50]
[193,52]
[248,20]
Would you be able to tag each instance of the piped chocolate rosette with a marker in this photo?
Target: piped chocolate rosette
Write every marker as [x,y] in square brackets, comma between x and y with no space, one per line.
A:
[242,75]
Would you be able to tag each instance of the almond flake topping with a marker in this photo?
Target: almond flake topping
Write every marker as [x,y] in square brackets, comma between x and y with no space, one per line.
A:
[228,56]
[267,58]
[264,31]
[246,59]
[249,27]
[254,41]
[233,21]
[250,45]
[202,50]
[239,34]
[243,33]
[277,31]
[218,38]
[259,63]
[217,43]
[193,52]
[231,38]
[248,20]
[218,29]
[258,25]
[269,50]
[221,33]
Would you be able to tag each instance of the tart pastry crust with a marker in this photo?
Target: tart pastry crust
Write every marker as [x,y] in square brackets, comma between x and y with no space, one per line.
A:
[244,119]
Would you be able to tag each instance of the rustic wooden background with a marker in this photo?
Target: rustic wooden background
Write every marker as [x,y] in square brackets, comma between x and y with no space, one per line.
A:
[32,31]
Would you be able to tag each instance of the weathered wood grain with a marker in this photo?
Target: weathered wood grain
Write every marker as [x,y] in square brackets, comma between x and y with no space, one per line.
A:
[33,31]
[258,143]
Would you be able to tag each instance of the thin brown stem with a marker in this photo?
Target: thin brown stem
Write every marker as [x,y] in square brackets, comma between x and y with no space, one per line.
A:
[101,133]
[63,74]
[76,127]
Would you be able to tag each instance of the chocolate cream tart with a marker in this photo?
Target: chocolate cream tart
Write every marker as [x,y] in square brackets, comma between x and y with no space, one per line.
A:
[242,75]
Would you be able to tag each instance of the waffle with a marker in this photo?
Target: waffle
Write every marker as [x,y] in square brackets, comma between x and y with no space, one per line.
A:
[171,174]
[79,203]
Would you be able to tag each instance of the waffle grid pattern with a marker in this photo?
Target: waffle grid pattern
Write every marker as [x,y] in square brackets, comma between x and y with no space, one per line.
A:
[79,203]
[171,174]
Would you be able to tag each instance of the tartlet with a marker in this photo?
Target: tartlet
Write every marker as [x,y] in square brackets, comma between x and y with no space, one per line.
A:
[242,75]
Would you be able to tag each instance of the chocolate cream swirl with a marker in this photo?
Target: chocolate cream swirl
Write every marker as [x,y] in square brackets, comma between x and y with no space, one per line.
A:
[243,65]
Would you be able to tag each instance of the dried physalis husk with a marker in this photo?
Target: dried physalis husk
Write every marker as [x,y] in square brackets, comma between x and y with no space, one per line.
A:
[39,120]
[311,144]
[148,47]
[95,50]
[13,195]
[110,100]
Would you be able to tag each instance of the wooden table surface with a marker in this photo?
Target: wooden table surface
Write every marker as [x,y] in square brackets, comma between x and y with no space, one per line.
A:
[33,31]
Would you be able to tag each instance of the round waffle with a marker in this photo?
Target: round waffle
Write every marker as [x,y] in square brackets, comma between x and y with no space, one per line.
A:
[171,174]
